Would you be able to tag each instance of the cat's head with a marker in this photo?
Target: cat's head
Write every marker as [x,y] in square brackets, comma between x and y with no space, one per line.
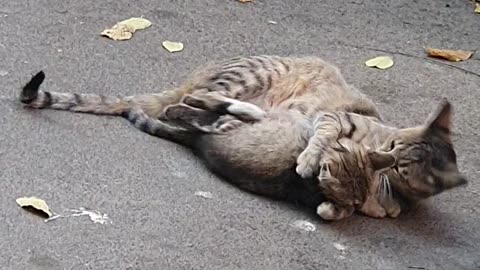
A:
[349,161]
[426,162]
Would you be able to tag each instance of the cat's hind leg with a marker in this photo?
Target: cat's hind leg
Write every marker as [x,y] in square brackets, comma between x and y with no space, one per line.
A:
[216,102]
[202,120]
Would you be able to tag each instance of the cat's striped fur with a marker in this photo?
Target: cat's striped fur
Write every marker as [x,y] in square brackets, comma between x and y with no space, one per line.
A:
[348,177]
[248,156]
[305,85]
[246,147]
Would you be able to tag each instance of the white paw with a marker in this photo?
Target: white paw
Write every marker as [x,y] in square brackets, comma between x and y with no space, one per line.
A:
[326,210]
[307,164]
[246,111]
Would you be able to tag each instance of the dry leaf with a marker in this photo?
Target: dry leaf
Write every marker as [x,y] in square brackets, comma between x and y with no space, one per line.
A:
[477,8]
[381,62]
[36,203]
[125,29]
[450,55]
[172,46]
[244,1]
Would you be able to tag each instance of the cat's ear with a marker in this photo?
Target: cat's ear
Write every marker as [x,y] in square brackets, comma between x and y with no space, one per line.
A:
[381,160]
[441,119]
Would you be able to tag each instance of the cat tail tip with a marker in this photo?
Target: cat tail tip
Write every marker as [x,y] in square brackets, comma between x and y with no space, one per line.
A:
[30,90]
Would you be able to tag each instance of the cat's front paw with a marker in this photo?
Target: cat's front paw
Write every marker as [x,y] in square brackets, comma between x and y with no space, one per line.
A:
[377,213]
[394,212]
[308,164]
[371,208]
[326,210]
[393,209]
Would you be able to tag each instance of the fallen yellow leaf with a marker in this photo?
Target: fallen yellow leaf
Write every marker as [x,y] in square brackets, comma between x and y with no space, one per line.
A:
[36,203]
[477,8]
[172,46]
[450,55]
[244,1]
[124,30]
[381,62]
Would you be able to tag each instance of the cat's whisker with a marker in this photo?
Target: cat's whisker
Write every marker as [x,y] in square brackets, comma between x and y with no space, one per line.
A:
[384,189]
[322,175]
[328,170]
[387,181]
[384,186]
[379,188]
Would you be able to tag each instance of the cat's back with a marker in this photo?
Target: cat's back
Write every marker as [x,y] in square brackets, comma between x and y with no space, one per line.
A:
[308,84]
[314,85]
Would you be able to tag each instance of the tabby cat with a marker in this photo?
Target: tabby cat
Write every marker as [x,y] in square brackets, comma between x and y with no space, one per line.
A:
[425,158]
[348,177]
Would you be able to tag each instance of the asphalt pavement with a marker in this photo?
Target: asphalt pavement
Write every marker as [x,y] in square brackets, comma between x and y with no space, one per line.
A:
[147,186]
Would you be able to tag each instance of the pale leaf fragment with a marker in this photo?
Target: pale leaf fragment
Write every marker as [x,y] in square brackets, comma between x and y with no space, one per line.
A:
[381,62]
[204,194]
[36,203]
[304,225]
[450,55]
[244,1]
[172,46]
[477,8]
[124,30]
[340,247]
[95,216]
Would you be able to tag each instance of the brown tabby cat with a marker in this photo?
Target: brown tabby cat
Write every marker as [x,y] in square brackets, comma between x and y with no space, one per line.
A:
[355,166]
[426,160]
[348,177]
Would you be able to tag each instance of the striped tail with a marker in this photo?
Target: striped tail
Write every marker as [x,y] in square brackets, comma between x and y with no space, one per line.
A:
[161,129]
[151,104]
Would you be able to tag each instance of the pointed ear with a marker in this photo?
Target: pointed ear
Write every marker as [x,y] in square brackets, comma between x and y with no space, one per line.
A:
[441,119]
[454,181]
[381,160]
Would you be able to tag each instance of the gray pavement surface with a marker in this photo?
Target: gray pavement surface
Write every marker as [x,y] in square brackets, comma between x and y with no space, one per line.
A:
[146,185]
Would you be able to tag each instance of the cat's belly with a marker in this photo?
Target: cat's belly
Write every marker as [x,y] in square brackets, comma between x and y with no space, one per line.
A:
[262,150]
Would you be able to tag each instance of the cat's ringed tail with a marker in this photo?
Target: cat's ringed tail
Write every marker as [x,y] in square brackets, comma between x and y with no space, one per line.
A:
[30,90]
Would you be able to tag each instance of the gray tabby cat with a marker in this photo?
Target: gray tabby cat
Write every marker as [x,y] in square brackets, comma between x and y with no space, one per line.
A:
[349,177]
[425,157]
